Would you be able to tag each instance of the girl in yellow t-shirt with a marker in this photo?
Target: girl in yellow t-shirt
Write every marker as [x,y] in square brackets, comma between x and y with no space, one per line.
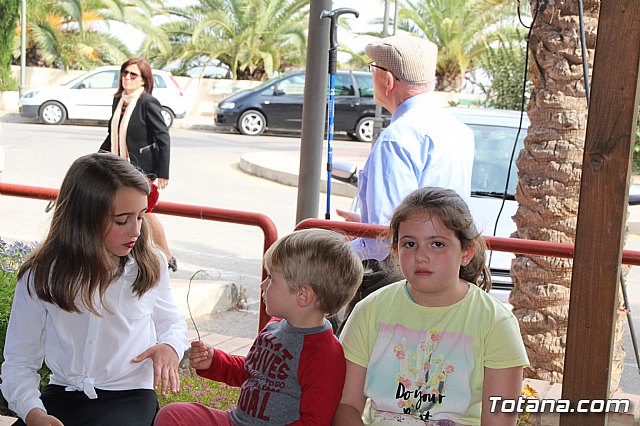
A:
[433,348]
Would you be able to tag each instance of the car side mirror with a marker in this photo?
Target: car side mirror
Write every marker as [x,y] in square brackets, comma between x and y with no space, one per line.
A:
[344,171]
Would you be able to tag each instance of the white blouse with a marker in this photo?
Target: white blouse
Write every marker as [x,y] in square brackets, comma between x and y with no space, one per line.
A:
[85,351]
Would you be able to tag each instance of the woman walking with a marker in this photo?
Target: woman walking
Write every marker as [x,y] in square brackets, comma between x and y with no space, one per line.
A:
[137,132]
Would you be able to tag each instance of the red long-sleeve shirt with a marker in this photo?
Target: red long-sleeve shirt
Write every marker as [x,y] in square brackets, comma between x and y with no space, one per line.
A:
[291,376]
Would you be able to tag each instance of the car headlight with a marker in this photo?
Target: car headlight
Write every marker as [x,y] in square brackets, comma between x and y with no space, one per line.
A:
[227,105]
[31,94]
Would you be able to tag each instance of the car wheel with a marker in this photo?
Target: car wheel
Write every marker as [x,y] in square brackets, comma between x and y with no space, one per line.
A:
[52,112]
[252,123]
[168,117]
[364,129]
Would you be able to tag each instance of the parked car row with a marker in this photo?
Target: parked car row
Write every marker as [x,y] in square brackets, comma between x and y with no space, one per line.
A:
[90,97]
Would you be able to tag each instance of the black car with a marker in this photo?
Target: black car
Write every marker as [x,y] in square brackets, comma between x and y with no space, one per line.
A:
[277,104]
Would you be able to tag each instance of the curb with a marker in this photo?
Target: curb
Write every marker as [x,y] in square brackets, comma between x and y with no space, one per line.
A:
[15,117]
[179,123]
[204,297]
[283,167]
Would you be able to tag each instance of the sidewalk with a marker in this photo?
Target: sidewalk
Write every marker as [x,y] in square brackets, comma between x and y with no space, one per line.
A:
[284,166]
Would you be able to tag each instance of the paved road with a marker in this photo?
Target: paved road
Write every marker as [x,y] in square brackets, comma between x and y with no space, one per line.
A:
[204,172]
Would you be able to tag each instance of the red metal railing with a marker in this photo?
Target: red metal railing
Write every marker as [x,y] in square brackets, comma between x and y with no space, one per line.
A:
[185,210]
[513,245]
[541,248]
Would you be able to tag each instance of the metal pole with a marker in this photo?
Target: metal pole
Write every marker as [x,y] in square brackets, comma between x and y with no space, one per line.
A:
[333,16]
[23,46]
[396,6]
[377,119]
[313,112]
[385,19]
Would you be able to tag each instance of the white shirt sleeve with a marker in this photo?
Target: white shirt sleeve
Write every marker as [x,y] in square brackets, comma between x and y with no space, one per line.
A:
[24,351]
[171,327]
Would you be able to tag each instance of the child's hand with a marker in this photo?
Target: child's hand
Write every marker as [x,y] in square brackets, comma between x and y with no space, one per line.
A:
[37,417]
[200,355]
[349,216]
[165,366]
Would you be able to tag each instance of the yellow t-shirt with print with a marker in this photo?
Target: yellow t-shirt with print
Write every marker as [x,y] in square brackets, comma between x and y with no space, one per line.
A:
[427,363]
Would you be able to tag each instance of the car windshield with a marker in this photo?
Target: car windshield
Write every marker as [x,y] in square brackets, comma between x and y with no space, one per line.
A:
[494,145]
[266,83]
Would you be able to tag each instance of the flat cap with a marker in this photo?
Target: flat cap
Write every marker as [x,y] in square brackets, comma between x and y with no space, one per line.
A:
[409,58]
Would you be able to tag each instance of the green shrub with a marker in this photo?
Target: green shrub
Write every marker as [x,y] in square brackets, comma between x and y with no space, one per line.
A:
[504,65]
[8,85]
[9,10]
[194,388]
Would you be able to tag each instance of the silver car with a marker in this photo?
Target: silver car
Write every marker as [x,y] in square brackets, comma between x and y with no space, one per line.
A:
[90,97]
[494,180]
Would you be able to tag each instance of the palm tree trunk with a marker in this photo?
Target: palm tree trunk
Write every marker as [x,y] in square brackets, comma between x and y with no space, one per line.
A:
[549,172]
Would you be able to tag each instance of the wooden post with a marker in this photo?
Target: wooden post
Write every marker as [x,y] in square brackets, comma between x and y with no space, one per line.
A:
[602,212]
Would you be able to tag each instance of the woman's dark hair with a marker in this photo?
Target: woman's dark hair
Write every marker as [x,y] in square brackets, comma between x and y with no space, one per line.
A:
[145,74]
[72,262]
[455,215]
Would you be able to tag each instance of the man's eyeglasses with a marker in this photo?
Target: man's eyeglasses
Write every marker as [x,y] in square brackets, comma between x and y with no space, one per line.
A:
[373,65]
[132,75]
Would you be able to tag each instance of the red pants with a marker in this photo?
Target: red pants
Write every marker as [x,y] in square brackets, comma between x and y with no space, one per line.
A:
[191,413]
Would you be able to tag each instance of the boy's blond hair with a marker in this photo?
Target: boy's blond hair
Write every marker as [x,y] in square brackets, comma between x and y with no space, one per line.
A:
[321,259]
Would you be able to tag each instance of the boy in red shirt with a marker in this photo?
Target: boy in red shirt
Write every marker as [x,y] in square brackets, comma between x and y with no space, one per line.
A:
[294,372]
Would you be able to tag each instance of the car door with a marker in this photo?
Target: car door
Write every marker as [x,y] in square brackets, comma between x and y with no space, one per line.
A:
[346,103]
[493,149]
[168,93]
[282,103]
[92,97]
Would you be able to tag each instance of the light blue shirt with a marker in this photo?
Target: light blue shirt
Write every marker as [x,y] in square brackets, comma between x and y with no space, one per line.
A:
[423,146]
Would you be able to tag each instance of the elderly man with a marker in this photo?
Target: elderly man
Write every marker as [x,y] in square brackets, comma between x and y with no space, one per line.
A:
[423,146]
